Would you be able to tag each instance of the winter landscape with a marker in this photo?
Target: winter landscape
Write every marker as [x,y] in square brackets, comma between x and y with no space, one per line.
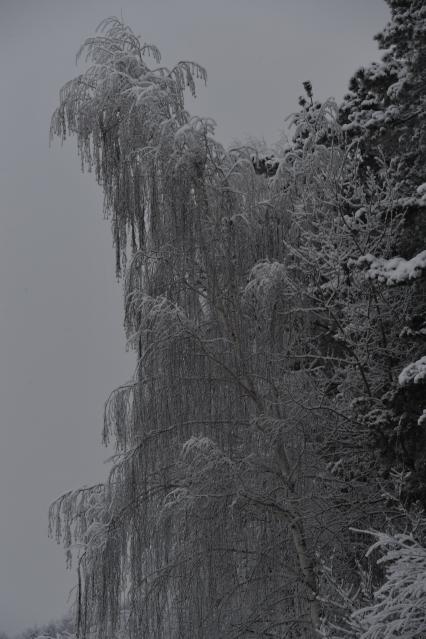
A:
[265,443]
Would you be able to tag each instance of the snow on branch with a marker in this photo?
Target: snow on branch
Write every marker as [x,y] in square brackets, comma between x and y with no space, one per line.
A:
[396,270]
[414,373]
[399,604]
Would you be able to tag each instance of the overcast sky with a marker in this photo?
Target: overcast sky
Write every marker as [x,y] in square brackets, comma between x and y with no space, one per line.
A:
[62,347]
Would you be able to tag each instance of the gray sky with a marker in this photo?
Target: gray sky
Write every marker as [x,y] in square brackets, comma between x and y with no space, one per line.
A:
[62,347]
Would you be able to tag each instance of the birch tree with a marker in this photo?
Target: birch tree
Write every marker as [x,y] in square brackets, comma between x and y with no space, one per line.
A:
[190,533]
[265,357]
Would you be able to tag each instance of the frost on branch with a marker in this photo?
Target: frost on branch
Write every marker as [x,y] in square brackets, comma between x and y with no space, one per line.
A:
[241,456]
[125,116]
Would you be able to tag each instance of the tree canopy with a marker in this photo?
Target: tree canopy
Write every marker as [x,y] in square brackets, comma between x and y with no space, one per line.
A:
[275,306]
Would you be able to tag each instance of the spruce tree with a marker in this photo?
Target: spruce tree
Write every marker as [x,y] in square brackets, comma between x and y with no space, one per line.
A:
[384,117]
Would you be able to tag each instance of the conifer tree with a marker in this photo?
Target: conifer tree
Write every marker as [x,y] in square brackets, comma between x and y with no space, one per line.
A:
[384,116]
[260,299]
